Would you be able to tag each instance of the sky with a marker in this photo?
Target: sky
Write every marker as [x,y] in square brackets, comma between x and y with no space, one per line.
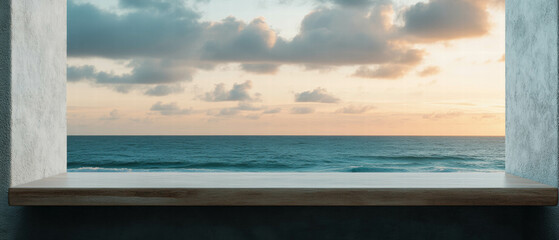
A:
[286,67]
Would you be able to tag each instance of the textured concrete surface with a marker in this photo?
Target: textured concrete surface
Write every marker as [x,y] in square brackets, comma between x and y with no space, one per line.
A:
[532,90]
[532,110]
[38,87]
[5,56]
[534,23]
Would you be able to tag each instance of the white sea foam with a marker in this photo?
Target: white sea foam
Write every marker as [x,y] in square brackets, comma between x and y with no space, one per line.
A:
[99,169]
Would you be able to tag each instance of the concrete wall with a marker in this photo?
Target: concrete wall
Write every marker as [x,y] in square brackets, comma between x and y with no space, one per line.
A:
[28,57]
[38,89]
[532,88]
[5,103]
[532,110]
[32,96]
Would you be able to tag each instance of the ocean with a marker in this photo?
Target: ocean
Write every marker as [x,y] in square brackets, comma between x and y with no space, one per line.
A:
[285,154]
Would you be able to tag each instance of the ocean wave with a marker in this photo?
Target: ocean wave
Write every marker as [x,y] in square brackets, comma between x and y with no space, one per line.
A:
[99,169]
[374,169]
[418,157]
[116,165]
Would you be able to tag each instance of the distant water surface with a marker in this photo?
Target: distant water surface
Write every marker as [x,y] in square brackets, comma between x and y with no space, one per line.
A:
[285,153]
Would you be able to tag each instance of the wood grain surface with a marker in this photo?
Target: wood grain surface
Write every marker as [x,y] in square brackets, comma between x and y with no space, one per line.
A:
[283,189]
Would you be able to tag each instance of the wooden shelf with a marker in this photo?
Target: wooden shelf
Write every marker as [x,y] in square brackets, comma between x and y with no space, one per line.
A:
[283,189]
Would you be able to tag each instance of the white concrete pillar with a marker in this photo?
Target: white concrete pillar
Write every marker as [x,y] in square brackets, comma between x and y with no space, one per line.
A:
[38,89]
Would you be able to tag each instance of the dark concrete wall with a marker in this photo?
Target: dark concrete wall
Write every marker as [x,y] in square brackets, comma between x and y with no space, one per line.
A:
[272,223]
[5,76]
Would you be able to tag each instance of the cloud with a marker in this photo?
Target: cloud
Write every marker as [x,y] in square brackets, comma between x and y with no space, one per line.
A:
[247,106]
[170,109]
[163,90]
[113,115]
[151,28]
[168,41]
[355,109]
[75,73]
[429,71]
[262,68]
[341,36]
[272,111]
[354,3]
[317,95]
[239,92]
[241,106]
[232,40]
[302,110]
[148,72]
[318,67]
[228,112]
[439,20]
[157,35]
[391,71]
[144,72]
[168,29]
[158,5]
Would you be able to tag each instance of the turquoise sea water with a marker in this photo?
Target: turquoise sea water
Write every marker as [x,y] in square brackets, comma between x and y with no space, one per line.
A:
[286,153]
